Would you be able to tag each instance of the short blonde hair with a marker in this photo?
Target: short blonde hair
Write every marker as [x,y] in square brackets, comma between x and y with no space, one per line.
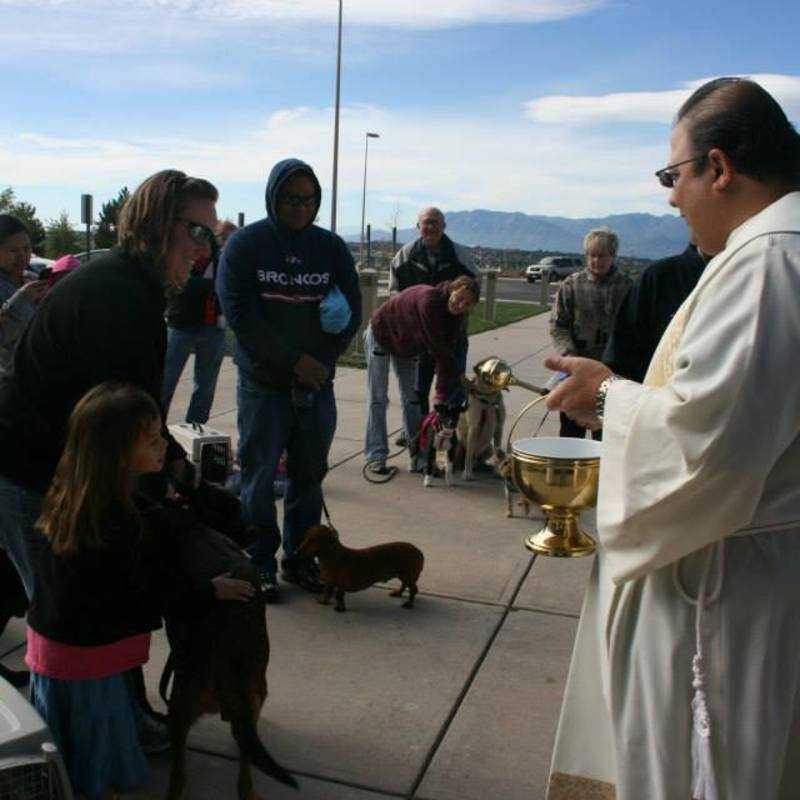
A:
[603,238]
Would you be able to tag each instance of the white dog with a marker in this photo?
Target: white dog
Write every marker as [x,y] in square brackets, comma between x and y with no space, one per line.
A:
[480,427]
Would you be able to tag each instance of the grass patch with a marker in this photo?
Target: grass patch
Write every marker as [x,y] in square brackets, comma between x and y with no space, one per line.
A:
[504,312]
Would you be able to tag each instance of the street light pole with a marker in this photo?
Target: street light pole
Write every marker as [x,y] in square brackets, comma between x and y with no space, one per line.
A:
[336,122]
[364,192]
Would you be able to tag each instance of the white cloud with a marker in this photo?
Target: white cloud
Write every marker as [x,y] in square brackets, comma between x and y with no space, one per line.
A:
[421,158]
[391,13]
[658,107]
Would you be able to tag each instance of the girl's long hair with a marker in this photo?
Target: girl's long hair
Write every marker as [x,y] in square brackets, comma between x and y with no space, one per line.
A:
[93,477]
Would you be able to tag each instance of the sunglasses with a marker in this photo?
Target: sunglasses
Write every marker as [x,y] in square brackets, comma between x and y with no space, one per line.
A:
[298,200]
[198,232]
[668,176]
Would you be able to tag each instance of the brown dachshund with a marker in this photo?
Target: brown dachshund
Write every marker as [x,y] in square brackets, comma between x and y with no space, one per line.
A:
[344,569]
[220,661]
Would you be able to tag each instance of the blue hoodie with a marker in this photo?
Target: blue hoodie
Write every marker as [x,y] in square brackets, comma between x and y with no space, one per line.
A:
[270,283]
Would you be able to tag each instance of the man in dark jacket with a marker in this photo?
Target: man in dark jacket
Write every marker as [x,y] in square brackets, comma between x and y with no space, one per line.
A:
[290,292]
[428,261]
[195,325]
[648,308]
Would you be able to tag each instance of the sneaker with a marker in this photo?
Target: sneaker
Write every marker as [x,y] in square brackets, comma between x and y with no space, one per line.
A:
[401,441]
[305,575]
[153,734]
[269,586]
[378,468]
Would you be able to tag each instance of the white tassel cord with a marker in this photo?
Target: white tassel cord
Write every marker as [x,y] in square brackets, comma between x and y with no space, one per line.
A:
[704,781]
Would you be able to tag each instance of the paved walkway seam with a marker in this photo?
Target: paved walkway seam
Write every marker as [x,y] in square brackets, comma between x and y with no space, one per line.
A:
[467,686]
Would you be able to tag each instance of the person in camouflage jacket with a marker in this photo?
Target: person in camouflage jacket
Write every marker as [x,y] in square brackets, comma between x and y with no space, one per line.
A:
[585,307]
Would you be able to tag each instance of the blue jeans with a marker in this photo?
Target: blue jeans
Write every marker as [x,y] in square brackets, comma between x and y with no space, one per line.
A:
[19,510]
[208,344]
[269,423]
[376,444]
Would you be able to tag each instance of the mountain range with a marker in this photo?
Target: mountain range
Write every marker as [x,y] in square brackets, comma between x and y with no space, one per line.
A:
[640,235]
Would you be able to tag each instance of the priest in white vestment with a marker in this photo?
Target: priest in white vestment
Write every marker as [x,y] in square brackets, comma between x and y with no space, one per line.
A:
[685,678]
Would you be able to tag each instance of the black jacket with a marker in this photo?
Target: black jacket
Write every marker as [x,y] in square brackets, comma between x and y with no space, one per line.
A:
[185,309]
[103,322]
[646,311]
[101,595]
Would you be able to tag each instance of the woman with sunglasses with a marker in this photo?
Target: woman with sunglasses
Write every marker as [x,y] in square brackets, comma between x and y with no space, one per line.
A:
[106,322]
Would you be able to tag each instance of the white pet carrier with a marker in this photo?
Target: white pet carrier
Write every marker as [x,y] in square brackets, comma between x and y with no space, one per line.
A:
[209,450]
[30,765]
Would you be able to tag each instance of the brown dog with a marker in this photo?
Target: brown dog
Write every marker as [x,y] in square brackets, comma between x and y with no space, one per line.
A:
[344,569]
[480,427]
[220,663]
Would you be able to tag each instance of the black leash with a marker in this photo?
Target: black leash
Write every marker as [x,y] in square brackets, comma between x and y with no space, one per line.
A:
[376,477]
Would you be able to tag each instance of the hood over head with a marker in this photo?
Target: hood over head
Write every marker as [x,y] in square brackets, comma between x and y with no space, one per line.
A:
[279,174]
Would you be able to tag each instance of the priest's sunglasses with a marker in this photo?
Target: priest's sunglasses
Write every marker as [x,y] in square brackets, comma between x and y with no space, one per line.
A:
[668,176]
[298,200]
[198,233]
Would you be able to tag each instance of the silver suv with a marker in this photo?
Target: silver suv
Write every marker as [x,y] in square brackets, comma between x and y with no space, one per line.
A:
[557,267]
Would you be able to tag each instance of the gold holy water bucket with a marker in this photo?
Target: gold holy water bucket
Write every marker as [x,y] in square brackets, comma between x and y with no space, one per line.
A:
[560,475]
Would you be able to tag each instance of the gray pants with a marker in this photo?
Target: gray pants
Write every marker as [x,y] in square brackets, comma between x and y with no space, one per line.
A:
[19,510]
[376,444]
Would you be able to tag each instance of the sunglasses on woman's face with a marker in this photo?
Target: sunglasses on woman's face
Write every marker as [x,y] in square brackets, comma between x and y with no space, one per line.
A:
[198,233]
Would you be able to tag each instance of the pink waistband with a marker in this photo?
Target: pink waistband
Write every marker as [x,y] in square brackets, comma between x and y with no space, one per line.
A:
[70,662]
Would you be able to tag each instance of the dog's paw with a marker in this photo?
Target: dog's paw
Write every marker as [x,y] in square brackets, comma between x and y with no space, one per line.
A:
[408,604]
[467,475]
[510,514]
[339,609]
[427,481]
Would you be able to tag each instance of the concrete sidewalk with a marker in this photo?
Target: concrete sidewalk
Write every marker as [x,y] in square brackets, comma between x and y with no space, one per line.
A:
[455,700]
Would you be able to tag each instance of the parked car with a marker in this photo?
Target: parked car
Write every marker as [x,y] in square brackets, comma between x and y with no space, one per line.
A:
[558,267]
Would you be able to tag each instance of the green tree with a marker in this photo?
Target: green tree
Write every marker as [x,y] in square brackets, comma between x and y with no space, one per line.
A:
[27,214]
[62,238]
[105,234]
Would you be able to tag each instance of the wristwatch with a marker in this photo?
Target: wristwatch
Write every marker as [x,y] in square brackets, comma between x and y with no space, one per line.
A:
[600,397]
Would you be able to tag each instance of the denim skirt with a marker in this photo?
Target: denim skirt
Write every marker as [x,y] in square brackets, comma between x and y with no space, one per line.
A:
[94,728]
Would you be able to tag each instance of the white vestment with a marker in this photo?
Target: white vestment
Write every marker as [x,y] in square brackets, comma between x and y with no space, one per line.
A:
[699,494]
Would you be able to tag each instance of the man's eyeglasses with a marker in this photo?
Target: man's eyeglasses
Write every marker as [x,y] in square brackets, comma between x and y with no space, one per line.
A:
[198,232]
[669,175]
[298,200]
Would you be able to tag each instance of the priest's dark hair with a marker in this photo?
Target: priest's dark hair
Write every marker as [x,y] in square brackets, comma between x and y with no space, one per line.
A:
[741,118]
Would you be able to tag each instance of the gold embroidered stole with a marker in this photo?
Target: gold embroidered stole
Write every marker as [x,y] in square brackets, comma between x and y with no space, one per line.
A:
[662,365]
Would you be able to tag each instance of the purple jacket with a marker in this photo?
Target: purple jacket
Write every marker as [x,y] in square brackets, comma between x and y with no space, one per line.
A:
[417,320]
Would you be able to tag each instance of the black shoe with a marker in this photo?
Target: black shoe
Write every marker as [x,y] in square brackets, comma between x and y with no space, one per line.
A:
[305,575]
[269,587]
[401,440]
[378,468]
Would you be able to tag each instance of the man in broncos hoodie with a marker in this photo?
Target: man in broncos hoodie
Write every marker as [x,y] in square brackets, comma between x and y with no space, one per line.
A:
[290,292]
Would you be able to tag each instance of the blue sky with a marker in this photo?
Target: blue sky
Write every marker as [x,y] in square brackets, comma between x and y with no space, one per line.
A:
[542,106]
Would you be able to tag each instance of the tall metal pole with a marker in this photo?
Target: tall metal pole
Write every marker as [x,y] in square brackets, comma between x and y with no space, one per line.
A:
[336,122]
[367,137]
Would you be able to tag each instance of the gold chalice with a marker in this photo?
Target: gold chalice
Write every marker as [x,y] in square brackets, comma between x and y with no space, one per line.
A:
[561,476]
